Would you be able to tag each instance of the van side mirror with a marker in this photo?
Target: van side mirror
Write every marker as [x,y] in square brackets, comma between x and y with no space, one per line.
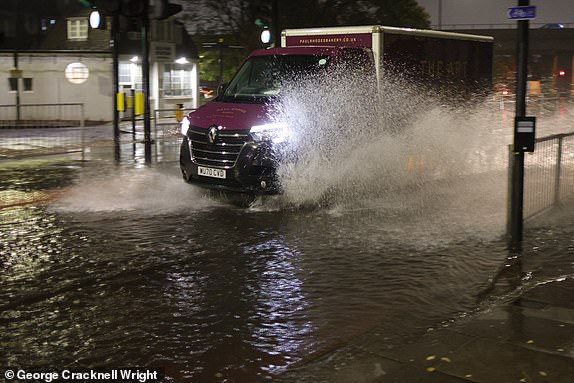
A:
[221,88]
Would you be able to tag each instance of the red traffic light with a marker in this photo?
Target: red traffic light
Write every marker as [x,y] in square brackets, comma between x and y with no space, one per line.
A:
[561,73]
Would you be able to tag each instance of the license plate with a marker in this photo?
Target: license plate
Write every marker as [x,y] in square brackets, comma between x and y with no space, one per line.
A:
[210,172]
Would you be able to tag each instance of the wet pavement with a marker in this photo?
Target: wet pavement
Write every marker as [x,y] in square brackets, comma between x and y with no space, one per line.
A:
[529,339]
[522,329]
[114,263]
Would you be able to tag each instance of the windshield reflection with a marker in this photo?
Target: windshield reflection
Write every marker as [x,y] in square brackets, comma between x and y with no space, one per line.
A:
[264,76]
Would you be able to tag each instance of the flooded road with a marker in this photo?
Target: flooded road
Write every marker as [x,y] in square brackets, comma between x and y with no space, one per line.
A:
[106,265]
[109,263]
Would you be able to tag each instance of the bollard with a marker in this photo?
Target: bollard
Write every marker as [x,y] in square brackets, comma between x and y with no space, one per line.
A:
[179,113]
[139,104]
[120,102]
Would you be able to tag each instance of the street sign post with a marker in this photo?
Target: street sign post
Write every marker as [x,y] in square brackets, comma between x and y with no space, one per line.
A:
[524,126]
[521,13]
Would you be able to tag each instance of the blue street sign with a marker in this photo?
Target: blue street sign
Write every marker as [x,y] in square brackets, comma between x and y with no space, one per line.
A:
[521,13]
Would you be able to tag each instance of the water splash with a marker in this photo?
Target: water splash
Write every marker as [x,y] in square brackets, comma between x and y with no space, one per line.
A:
[407,150]
[350,145]
[144,190]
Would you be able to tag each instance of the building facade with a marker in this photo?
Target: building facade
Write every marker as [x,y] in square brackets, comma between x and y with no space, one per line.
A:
[550,59]
[50,55]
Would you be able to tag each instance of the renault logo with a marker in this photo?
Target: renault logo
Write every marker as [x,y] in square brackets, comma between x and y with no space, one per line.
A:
[212,134]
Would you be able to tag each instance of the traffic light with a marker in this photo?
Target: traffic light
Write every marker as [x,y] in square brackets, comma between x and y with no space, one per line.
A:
[561,73]
[133,8]
[164,9]
[265,34]
[136,8]
[108,7]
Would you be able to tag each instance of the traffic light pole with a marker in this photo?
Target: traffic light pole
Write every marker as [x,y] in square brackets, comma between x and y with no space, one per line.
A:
[275,24]
[517,177]
[145,81]
[115,58]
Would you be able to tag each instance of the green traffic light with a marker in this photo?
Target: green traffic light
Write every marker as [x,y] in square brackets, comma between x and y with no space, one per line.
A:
[260,23]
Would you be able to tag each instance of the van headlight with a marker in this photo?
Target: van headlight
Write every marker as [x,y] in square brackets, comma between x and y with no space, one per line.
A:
[275,132]
[184,126]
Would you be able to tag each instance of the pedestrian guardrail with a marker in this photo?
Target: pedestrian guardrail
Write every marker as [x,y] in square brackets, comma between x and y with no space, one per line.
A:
[548,173]
[41,115]
[37,129]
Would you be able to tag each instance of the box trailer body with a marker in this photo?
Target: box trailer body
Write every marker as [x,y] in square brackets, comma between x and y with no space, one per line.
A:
[230,143]
[431,57]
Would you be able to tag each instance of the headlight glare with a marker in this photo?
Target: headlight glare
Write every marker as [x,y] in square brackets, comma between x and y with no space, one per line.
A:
[275,132]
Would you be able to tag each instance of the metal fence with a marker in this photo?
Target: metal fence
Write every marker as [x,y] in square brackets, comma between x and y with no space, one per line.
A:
[41,129]
[548,173]
[34,129]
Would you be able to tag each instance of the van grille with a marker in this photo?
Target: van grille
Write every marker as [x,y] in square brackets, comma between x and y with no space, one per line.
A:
[222,153]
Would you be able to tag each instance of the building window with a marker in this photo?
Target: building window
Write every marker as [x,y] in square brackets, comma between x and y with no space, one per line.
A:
[130,73]
[13,82]
[77,73]
[28,81]
[177,81]
[78,29]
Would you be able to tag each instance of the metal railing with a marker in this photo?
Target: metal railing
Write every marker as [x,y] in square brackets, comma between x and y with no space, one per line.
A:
[38,129]
[41,115]
[548,173]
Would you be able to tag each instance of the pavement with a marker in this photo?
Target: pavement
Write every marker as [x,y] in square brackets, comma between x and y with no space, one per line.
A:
[529,338]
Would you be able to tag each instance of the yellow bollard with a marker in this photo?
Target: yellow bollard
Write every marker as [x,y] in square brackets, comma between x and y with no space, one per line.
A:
[120,101]
[179,113]
[139,109]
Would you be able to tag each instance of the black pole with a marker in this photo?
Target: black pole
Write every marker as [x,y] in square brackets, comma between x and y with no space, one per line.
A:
[145,81]
[220,61]
[275,24]
[522,63]
[133,111]
[18,117]
[439,14]
[517,179]
[115,60]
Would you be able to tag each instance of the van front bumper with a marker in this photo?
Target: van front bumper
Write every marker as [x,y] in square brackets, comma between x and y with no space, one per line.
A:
[254,171]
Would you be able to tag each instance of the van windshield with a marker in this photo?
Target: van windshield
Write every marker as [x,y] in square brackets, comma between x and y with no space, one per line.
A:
[262,77]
